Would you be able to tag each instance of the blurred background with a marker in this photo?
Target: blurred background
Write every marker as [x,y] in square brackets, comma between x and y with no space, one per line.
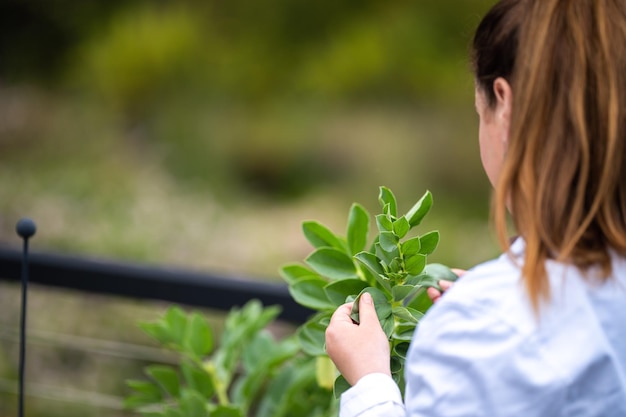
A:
[201,133]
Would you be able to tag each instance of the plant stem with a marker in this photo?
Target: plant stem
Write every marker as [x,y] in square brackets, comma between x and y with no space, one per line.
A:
[220,388]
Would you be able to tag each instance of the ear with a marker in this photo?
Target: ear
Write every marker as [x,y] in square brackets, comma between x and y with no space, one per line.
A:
[504,104]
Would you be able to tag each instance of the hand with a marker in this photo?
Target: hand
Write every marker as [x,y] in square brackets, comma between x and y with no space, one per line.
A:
[435,294]
[358,349]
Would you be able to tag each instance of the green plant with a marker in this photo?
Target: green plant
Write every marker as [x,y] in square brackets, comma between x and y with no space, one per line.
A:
[247,373]
[393,270]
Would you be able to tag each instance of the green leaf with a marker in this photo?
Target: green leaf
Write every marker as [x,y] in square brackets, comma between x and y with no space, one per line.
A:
[159,331]
[420,209]
[372,263]
[332,263]
[381,304]
[192,404]
[394,266]
[310,293]
[404,331]
[386,256]
[241,327]
[312,338]
[197,379]
[388,241]
[403,314]
[176,321]
[144,387]
[401,227]
[401,349]
[399,379]
[340,386]
[292,392]
[427,281]
[396,365]
[166,377]
[415,264]
[439,272]
[145,393]
[135,401]
[325,372]
[324,318]
[257,352]
[350,298]
[266,352]
[421,302]
[159,411]
[383,223]
[226,411]
[386,197]
[199,338]
[172,412]
[358,228]
[400,292]
[320,236]
[338,291]
[260,359]
[292,273]
[415,313]
[388,325]
[429,242]
[433,273]
[411,246]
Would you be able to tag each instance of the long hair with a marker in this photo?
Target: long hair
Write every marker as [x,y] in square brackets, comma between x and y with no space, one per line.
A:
[564,174]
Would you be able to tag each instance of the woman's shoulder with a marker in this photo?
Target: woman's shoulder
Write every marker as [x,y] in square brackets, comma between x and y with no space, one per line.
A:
[494,287]
[484,331]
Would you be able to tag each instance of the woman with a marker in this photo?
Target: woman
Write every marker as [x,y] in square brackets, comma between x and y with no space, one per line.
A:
[540,331]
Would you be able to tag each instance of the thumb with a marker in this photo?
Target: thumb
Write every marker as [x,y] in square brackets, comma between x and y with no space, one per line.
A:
[367,311]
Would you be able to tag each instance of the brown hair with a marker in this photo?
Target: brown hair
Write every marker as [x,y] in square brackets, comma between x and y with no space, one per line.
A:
[564,174]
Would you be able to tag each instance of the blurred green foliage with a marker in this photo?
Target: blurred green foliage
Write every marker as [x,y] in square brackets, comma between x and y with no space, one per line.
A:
[242,99]
[252,50]
[106,101]
[259,51]
[248,373]
[202,133]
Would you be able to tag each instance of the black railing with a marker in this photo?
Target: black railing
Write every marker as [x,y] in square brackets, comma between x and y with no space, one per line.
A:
[135,281]
[147,282]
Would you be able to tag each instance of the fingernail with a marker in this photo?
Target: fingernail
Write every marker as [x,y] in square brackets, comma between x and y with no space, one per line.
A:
[367,297]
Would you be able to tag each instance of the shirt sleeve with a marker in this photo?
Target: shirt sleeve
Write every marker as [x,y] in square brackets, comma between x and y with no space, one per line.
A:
[374,395]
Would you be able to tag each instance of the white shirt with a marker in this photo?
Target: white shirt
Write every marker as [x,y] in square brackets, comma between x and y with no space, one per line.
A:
[481,351]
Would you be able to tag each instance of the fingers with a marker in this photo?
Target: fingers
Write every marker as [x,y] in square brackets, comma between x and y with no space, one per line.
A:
[434,294]
[445,285]
[357,349]
[342,314]
[367,311]
[459,272]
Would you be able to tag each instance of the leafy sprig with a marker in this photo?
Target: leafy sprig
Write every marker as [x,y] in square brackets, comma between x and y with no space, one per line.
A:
[393,270]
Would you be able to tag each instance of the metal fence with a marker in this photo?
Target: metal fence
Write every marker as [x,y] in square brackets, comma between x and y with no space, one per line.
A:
[107,277]
[145,282]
